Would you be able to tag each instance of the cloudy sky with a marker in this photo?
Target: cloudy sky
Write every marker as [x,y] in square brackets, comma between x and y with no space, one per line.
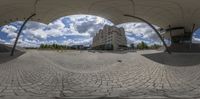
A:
[73,30]
[196,36]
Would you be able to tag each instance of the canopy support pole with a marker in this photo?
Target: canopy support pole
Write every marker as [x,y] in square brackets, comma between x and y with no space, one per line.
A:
[19,33]
[148,23]
[193,28]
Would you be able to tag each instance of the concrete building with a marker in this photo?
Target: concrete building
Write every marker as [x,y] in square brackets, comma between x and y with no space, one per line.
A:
[110,38]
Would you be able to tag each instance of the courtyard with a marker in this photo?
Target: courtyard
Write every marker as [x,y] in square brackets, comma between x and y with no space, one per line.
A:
[85,74]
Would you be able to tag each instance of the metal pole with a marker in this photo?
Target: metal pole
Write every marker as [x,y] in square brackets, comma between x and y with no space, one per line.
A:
[192,32]
[170,33]
[193,27]
[167,49]
[19,33]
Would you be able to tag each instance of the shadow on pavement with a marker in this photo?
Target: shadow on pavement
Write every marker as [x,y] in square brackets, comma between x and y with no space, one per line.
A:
[5,57]
[175,59]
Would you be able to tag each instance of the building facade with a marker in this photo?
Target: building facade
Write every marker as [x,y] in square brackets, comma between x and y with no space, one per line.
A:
[110,38]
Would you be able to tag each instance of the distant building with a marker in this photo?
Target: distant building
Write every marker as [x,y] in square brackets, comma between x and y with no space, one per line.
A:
[110,38]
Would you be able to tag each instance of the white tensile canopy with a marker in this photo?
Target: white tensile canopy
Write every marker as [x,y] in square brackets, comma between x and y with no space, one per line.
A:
[177,13]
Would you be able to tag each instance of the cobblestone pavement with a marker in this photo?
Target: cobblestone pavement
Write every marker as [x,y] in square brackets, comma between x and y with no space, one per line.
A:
[85,74]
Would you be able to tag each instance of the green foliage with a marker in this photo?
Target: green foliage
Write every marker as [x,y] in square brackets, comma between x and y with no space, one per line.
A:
[155,46]
[62,47]
[53,46]
[132,46]
[142,46]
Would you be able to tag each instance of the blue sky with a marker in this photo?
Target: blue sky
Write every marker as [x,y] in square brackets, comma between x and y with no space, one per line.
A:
[73,30]
[196,36]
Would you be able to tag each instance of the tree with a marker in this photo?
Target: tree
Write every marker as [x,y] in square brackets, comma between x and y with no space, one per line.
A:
[155,46]
[42,46]
[132,46]
[54,46]
[142,46]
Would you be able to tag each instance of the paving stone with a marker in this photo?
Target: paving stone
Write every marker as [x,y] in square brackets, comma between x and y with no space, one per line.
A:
[71,74]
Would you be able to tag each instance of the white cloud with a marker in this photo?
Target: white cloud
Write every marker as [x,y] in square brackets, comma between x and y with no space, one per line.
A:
[34,25]
[10,31]
[74,29]
[28,43]
[70,42]
[139,29]
[36,33]
[137,32]
[195,40]
[58,24]
[2,41]
[196,36]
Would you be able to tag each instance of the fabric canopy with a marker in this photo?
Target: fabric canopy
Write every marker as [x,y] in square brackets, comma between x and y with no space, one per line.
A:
[177,13]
